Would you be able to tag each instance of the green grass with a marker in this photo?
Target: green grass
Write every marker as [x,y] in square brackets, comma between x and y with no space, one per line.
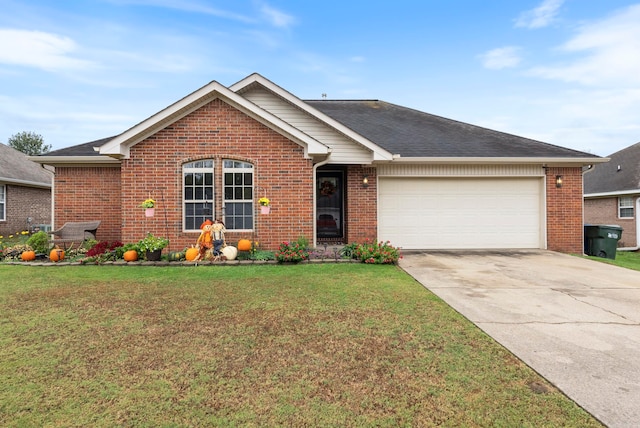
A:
[304,345]
[626,259]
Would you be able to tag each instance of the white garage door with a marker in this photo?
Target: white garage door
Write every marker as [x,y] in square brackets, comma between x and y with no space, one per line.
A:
[458,213]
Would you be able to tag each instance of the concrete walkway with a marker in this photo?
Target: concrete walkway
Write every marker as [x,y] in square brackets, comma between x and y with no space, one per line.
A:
[574,321]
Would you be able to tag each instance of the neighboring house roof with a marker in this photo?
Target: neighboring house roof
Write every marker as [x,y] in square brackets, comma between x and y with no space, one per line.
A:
[621,175]
[16,168]
[415,134]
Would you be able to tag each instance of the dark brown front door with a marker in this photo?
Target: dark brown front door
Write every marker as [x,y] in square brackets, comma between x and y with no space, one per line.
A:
[330,205]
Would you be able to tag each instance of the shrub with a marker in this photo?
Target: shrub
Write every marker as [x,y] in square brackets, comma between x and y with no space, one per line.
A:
[39,241]
[377,253]
[349,250]
[291,252]
[262,255]
[103,247]
[302,242]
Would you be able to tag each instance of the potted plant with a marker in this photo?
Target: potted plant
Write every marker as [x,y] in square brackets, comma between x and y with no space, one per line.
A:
[264,205]
[149,207]
[152,246]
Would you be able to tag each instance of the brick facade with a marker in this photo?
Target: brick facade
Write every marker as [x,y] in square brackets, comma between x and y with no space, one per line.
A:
[218,131]
[565,226]
[86,194]
[23,202]
[605,211]
[362,204]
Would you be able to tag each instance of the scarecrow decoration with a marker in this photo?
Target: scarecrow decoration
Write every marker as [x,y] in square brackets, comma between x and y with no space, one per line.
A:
[211,241]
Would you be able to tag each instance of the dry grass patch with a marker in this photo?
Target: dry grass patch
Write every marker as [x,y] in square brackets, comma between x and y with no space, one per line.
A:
[309,345]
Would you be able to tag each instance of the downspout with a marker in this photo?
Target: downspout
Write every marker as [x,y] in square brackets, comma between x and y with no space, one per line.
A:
[315,195]
[637,213]
[637,216]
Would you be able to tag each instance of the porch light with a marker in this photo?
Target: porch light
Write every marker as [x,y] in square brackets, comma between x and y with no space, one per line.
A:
[558,181]
[365,181]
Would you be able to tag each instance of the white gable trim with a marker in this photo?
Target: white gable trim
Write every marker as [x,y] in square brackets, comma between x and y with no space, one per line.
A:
[379,154]
[119,146]
[613,194]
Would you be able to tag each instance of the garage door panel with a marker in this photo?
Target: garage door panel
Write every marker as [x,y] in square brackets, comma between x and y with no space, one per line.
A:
[430,213]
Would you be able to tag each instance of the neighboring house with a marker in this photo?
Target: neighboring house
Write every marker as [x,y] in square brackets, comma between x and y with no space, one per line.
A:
[612,195]
[25,192]
[335,172]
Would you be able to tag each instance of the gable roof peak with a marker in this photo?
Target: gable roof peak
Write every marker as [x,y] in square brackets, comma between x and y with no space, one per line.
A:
[119,146]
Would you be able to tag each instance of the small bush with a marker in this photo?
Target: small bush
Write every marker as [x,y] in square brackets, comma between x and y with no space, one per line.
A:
[377,253]
[302,242]
[291,252]
[39,242]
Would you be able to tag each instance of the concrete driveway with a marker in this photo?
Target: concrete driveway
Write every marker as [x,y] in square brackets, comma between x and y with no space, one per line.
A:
[574,321]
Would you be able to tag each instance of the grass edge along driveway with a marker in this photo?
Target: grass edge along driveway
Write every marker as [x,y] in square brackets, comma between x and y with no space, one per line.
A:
[303,345]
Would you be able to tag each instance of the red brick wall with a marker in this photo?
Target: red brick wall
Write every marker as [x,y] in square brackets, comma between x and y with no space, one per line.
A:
[605,211]
[565,226]
[361,205]
[23,202]
[218,131]
[89,193]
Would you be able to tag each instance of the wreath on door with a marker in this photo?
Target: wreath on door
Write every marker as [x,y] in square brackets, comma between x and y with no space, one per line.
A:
[327,188]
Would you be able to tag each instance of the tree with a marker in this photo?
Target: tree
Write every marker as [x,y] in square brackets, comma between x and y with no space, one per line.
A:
[28,143]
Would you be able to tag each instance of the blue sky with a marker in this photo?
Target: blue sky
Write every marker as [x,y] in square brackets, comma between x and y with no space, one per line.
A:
[566,72]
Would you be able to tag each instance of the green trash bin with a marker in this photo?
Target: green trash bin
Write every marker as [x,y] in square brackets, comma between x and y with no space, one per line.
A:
[601,240]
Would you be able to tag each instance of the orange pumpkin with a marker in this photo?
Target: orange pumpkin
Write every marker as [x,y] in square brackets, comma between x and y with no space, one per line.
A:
[56,255]
[28,256]
[191,254]
[244,245]
[130,256]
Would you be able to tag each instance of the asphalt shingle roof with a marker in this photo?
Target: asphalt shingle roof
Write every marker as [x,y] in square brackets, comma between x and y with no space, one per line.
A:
[85,149]
[409,133]
[16,167]
[621,173]
[412,133]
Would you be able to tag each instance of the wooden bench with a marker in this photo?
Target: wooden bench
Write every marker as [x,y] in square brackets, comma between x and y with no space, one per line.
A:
[74,232]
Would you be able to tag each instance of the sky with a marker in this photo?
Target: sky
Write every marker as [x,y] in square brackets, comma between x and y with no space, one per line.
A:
[565,72]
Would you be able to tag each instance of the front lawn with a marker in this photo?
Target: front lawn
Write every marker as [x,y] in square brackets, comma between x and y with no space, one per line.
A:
[257,345]
[626,259]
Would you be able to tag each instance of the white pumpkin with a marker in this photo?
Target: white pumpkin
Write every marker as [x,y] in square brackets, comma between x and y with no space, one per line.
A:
[230,252]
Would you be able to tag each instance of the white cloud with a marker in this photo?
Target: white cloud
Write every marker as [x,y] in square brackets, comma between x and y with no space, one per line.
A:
[499,58]
[186,6]
[40,50]
[277,18]
[541,16]
[611,52]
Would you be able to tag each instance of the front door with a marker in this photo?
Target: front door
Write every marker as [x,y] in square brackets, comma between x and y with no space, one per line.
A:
[330,206]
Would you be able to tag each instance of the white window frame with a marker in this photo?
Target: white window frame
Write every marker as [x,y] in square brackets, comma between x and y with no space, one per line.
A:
[192,212]
[234,194]
[3,202]
[625,203]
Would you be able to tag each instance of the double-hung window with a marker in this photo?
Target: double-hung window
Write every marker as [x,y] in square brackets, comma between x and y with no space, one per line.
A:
[197,181]
[3,202]
[625,207]
[238,195]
